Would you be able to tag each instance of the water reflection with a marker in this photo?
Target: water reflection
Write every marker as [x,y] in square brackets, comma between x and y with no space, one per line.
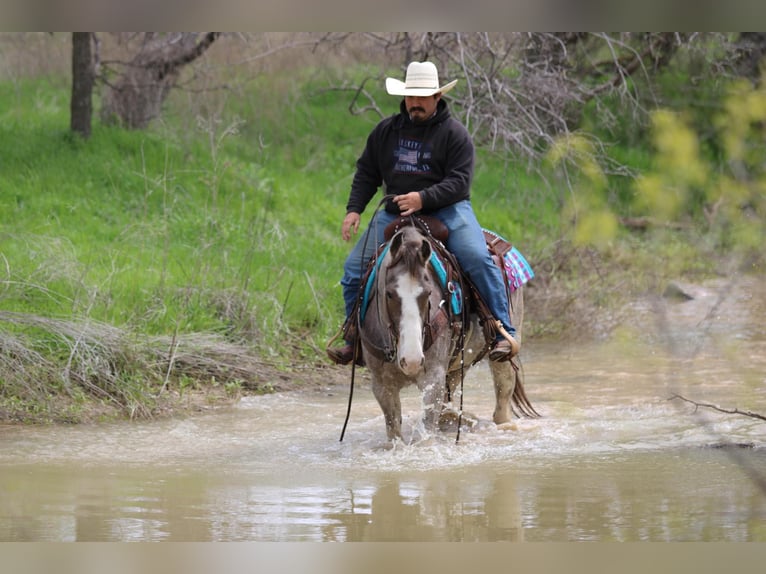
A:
[683,495]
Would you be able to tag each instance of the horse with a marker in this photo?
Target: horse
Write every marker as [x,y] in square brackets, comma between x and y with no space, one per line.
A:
[416,329]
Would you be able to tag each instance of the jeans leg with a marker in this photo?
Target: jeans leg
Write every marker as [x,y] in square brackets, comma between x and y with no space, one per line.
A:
[356,262]
[466,242]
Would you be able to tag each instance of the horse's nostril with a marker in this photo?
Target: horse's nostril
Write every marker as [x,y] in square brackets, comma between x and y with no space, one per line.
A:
[411,368]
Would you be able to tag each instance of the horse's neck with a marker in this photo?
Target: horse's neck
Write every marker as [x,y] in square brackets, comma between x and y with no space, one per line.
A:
[376,328]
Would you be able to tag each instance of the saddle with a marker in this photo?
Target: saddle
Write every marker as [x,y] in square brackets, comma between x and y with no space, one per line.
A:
[430,225]
[453,281]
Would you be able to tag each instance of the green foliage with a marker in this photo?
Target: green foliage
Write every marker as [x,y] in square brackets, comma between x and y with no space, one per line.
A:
[513,200]
[723,192]
[699,172]
[586,207]
[679,173]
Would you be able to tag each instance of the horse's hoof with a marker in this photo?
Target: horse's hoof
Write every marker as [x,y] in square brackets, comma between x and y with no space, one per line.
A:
[387,446]
[509,426]
[449,417]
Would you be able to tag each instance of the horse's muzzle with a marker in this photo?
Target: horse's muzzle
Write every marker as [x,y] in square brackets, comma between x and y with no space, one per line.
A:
[411,367]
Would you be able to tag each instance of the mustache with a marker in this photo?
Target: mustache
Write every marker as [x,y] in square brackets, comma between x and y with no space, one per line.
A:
[416,109]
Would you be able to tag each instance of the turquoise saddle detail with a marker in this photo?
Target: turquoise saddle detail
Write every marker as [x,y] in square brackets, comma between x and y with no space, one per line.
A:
[453,288]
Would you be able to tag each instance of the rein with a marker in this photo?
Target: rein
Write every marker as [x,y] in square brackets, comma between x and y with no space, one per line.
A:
[359,325]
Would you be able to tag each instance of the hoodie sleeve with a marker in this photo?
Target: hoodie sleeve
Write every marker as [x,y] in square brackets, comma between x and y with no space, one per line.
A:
[368,177]
[457,168]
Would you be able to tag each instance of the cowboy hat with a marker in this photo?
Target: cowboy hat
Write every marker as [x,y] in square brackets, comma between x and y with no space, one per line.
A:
[422,80]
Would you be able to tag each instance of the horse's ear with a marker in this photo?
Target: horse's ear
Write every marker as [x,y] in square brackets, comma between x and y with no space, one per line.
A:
[396,243]
[425,251]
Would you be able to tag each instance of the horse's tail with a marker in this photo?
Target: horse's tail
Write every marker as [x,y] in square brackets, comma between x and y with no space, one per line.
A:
[519,396]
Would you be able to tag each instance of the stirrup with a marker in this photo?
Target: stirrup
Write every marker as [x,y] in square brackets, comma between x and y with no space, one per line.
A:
[509,345]
[504,350]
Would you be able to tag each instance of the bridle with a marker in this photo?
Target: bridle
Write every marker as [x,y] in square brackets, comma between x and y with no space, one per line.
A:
[389,349]
[394,323]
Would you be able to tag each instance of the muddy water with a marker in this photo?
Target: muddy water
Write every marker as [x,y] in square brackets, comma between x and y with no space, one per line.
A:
[612,459]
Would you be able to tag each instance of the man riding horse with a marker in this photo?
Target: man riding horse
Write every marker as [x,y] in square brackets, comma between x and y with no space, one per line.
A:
[424,157]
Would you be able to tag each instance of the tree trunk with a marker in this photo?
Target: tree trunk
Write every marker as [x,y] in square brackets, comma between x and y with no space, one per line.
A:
[136,97]
[81,105]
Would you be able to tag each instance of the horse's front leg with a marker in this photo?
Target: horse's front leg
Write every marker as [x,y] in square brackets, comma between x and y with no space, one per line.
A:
[434,390]
[504,378]
[387,394]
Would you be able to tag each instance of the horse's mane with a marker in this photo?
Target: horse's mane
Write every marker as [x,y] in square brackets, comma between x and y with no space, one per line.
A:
[409,251]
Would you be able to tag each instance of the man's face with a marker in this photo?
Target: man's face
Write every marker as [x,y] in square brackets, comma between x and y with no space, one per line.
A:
[421,108]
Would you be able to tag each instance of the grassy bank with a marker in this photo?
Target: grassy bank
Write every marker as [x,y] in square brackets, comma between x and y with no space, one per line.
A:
[205,252]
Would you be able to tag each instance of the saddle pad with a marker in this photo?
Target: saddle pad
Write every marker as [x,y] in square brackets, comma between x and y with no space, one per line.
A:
[517,269]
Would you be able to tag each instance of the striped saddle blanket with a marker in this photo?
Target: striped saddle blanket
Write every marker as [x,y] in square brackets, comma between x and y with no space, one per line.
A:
[516,269]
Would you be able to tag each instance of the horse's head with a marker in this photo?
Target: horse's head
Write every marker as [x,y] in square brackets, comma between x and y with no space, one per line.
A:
[408,286]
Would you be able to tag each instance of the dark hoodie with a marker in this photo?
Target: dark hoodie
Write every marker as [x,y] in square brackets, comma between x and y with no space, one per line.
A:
[434,157]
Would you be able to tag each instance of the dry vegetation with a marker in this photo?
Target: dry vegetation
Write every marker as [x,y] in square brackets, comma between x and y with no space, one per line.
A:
[97,370]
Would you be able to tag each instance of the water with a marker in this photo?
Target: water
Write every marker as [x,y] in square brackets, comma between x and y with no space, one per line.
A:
[612,458]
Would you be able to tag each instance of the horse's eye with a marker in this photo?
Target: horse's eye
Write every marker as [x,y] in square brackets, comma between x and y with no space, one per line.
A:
[390,294]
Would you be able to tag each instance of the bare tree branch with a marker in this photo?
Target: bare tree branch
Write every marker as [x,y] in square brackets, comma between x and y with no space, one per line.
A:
[136,97]
[520,91]
[733,411]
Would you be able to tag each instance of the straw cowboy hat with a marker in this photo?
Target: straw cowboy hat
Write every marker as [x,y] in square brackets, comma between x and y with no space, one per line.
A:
[422,80]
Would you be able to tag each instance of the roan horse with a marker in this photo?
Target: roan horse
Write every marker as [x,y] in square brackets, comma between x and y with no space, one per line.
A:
[414,331]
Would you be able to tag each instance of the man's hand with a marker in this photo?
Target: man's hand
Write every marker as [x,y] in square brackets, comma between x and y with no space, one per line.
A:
[350,225]
[409,203]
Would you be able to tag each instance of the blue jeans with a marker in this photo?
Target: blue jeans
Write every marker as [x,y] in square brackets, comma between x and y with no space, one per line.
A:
[466,242]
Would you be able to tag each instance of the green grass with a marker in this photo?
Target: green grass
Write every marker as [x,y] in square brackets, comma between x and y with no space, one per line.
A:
[164,230]
[224,225]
